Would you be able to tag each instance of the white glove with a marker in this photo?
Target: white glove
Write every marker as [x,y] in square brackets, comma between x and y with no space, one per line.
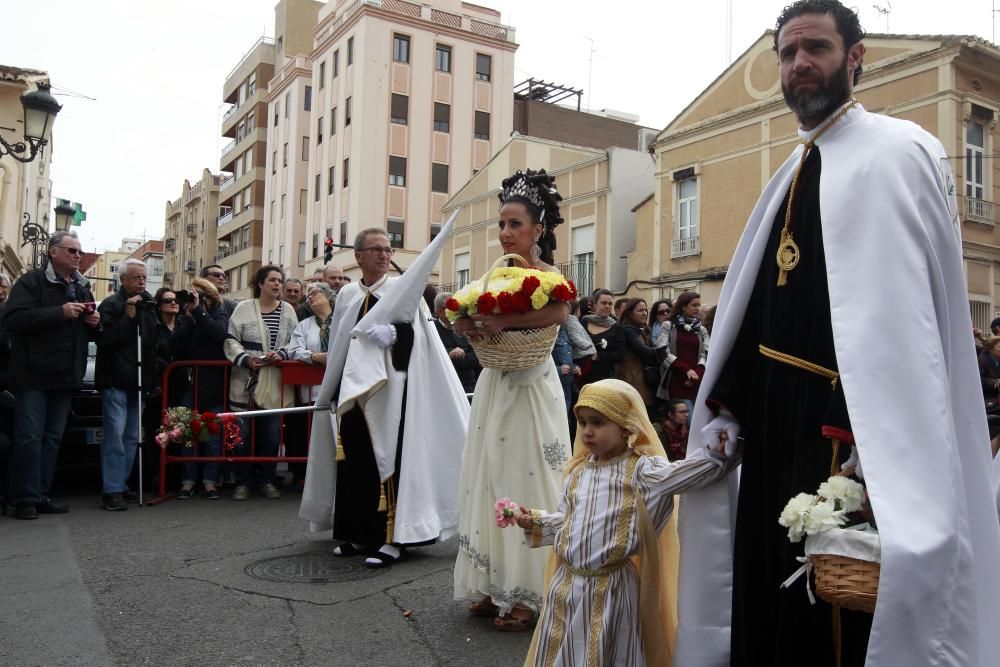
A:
[711,433]
[854,461]
[383,335]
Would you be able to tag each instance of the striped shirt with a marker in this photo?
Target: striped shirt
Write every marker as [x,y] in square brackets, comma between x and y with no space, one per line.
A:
[272,321]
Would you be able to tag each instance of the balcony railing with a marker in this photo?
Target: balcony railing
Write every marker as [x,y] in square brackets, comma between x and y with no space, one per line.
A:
[168,277]
[222,254]
[226,183]
[192,229]
[224,218]
[685,247]
[980,211]
[228,149]
[581,273]
[226,116]
[190,266]
[262,40]
[170,244]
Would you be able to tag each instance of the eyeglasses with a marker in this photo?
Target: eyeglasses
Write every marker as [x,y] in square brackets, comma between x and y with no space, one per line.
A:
[216,274]
[167,301]
[380,250]
[663,312]
[72,251]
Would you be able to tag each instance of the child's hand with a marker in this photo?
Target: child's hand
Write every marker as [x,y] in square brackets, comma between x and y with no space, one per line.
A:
[525,519]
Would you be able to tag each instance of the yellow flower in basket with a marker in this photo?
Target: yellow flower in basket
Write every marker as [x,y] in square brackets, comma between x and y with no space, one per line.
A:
[510,290]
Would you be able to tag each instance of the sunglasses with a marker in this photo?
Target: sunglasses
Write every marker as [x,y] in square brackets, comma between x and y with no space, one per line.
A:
[216,274]
[663,312]
[167,301]
[72,251]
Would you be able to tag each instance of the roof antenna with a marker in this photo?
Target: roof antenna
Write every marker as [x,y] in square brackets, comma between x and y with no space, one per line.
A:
[884,11]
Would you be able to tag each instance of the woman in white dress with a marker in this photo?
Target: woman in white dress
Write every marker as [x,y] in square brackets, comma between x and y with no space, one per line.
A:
[518,437]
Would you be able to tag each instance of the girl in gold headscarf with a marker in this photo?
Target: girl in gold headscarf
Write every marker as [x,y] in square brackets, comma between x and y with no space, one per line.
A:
[612,592]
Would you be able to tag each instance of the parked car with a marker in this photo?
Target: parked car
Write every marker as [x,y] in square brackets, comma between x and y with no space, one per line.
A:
[82,439]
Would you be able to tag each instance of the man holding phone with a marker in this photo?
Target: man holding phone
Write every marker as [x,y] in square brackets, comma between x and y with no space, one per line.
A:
[51,317]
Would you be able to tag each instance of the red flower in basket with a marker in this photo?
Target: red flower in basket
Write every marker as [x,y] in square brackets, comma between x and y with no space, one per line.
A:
[452,304]
[505,300]
[209,417]
[195,427]
[522,302]
[213,427]
[563,293]
[529,285]
[486,303]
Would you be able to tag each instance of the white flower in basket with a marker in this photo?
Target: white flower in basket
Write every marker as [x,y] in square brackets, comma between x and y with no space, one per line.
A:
[845,560]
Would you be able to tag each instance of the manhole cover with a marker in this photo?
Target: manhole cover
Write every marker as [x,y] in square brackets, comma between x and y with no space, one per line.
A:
[313,567]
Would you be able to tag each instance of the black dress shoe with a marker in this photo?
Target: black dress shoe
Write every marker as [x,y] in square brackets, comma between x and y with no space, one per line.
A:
[25,511]
[49,507]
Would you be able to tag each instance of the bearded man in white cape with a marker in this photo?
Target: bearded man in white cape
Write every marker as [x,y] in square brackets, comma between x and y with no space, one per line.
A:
[862,283]
[383,469]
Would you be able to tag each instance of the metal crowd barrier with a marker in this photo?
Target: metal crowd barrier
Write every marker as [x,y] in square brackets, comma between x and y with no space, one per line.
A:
[293,373]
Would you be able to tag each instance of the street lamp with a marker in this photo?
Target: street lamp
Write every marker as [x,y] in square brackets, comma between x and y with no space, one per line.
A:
[40,110]
[65,213]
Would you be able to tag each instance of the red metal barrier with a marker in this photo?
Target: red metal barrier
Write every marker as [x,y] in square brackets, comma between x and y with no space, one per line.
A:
[293,373]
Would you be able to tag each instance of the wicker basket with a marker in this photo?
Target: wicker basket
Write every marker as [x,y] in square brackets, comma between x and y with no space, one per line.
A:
[848,582]
[514,350]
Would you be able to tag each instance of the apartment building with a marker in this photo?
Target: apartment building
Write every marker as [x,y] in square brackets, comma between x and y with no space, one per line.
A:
[103,273]
[599,188]
[151,252]
[714,159]
[407,101]
[25,188]
[190,231]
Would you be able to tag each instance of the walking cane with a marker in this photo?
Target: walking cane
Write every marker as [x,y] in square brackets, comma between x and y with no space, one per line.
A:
[138,338]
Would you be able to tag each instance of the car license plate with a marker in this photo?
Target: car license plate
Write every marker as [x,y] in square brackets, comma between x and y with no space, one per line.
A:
[95,436]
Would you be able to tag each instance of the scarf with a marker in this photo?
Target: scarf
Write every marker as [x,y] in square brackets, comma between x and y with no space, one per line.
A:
[689,324]
[606,321]
[324,333]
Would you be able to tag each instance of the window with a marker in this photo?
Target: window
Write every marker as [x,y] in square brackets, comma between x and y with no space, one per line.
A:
[252,84]
[246,198]
[281,255]
[274,162]
[277,109]
[435,230]
[303,197]
[350,51]
[305,148]
[239,167]
[401,48]
[439,178]
[482,130]
[330,180]
[442,117]
[329,232]
[316,186]
[250,122]
[315,246]
[347,112]
[307,103]
[336,63]
[484,66]
[442,58]
[302,253]
[241,130]
[347,171]
[395,229]
[975,147]
[397,170]
[284,155]
[685,240]
[343,232]
[461,270]
[319,130]
[322,75]
[581,269]
[288,103]
[400,112]
[333,121]
[282,207]
[246,237]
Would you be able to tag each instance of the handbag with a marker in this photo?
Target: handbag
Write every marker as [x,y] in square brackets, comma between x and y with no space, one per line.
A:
[651,374]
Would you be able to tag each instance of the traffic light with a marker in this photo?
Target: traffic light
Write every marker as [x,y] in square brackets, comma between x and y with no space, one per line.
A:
[328,253]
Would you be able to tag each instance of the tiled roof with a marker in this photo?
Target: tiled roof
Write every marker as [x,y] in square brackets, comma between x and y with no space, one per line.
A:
[8,73]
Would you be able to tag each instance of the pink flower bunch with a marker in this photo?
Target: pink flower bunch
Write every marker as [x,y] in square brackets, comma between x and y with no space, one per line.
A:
[506,511]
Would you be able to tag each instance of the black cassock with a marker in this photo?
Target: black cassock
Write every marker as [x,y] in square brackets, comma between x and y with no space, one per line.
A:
[357,517]
[784,412]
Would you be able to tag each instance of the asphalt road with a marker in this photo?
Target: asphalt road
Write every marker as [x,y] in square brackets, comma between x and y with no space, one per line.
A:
[201,582]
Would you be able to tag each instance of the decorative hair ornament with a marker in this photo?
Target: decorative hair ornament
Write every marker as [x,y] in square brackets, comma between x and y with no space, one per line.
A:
[519,185]
[538,189]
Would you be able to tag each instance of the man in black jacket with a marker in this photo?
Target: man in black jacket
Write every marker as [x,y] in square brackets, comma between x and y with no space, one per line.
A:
[50,318]
[123,316]
[462,356]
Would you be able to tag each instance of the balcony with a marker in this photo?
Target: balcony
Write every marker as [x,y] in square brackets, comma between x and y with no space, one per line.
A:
[224,218]
[168,278]
[228,182]
[979,211]
[232,110]
[190,266]
[228,149]
[192,229]
[222,254]
[581,273]
[684,247]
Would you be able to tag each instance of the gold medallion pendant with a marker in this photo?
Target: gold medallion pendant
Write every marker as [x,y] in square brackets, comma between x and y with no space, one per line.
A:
[788,258]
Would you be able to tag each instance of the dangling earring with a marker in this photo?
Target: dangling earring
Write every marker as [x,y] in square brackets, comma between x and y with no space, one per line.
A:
[536,252]
[630,438]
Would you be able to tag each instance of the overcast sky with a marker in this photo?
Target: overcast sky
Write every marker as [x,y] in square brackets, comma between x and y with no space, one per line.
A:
[156,69]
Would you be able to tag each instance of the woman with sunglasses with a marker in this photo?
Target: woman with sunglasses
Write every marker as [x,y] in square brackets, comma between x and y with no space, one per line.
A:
[658,314]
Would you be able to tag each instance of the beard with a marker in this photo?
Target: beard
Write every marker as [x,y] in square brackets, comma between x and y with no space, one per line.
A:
[828,97]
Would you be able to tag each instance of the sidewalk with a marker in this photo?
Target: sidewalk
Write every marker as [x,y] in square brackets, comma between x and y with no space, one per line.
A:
[196,582]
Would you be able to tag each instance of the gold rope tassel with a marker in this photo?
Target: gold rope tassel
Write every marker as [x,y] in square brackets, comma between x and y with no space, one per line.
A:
[341,456]
[835,460]
[383,502]
[390,517]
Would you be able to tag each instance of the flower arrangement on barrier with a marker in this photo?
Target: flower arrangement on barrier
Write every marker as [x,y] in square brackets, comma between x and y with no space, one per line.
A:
[511,290]
[184,426]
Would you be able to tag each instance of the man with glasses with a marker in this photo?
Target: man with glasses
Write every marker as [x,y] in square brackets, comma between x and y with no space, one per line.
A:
[124,315]
[50,317]
[392,384]
[215,275]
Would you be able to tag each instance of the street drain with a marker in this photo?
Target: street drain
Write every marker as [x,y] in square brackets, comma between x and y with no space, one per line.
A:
[312,567]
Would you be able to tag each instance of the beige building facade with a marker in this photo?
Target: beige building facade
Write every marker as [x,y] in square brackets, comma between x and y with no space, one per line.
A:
[408,101]
[714,159]
[600,188]
[25,188]
[103,274]
[190,231]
